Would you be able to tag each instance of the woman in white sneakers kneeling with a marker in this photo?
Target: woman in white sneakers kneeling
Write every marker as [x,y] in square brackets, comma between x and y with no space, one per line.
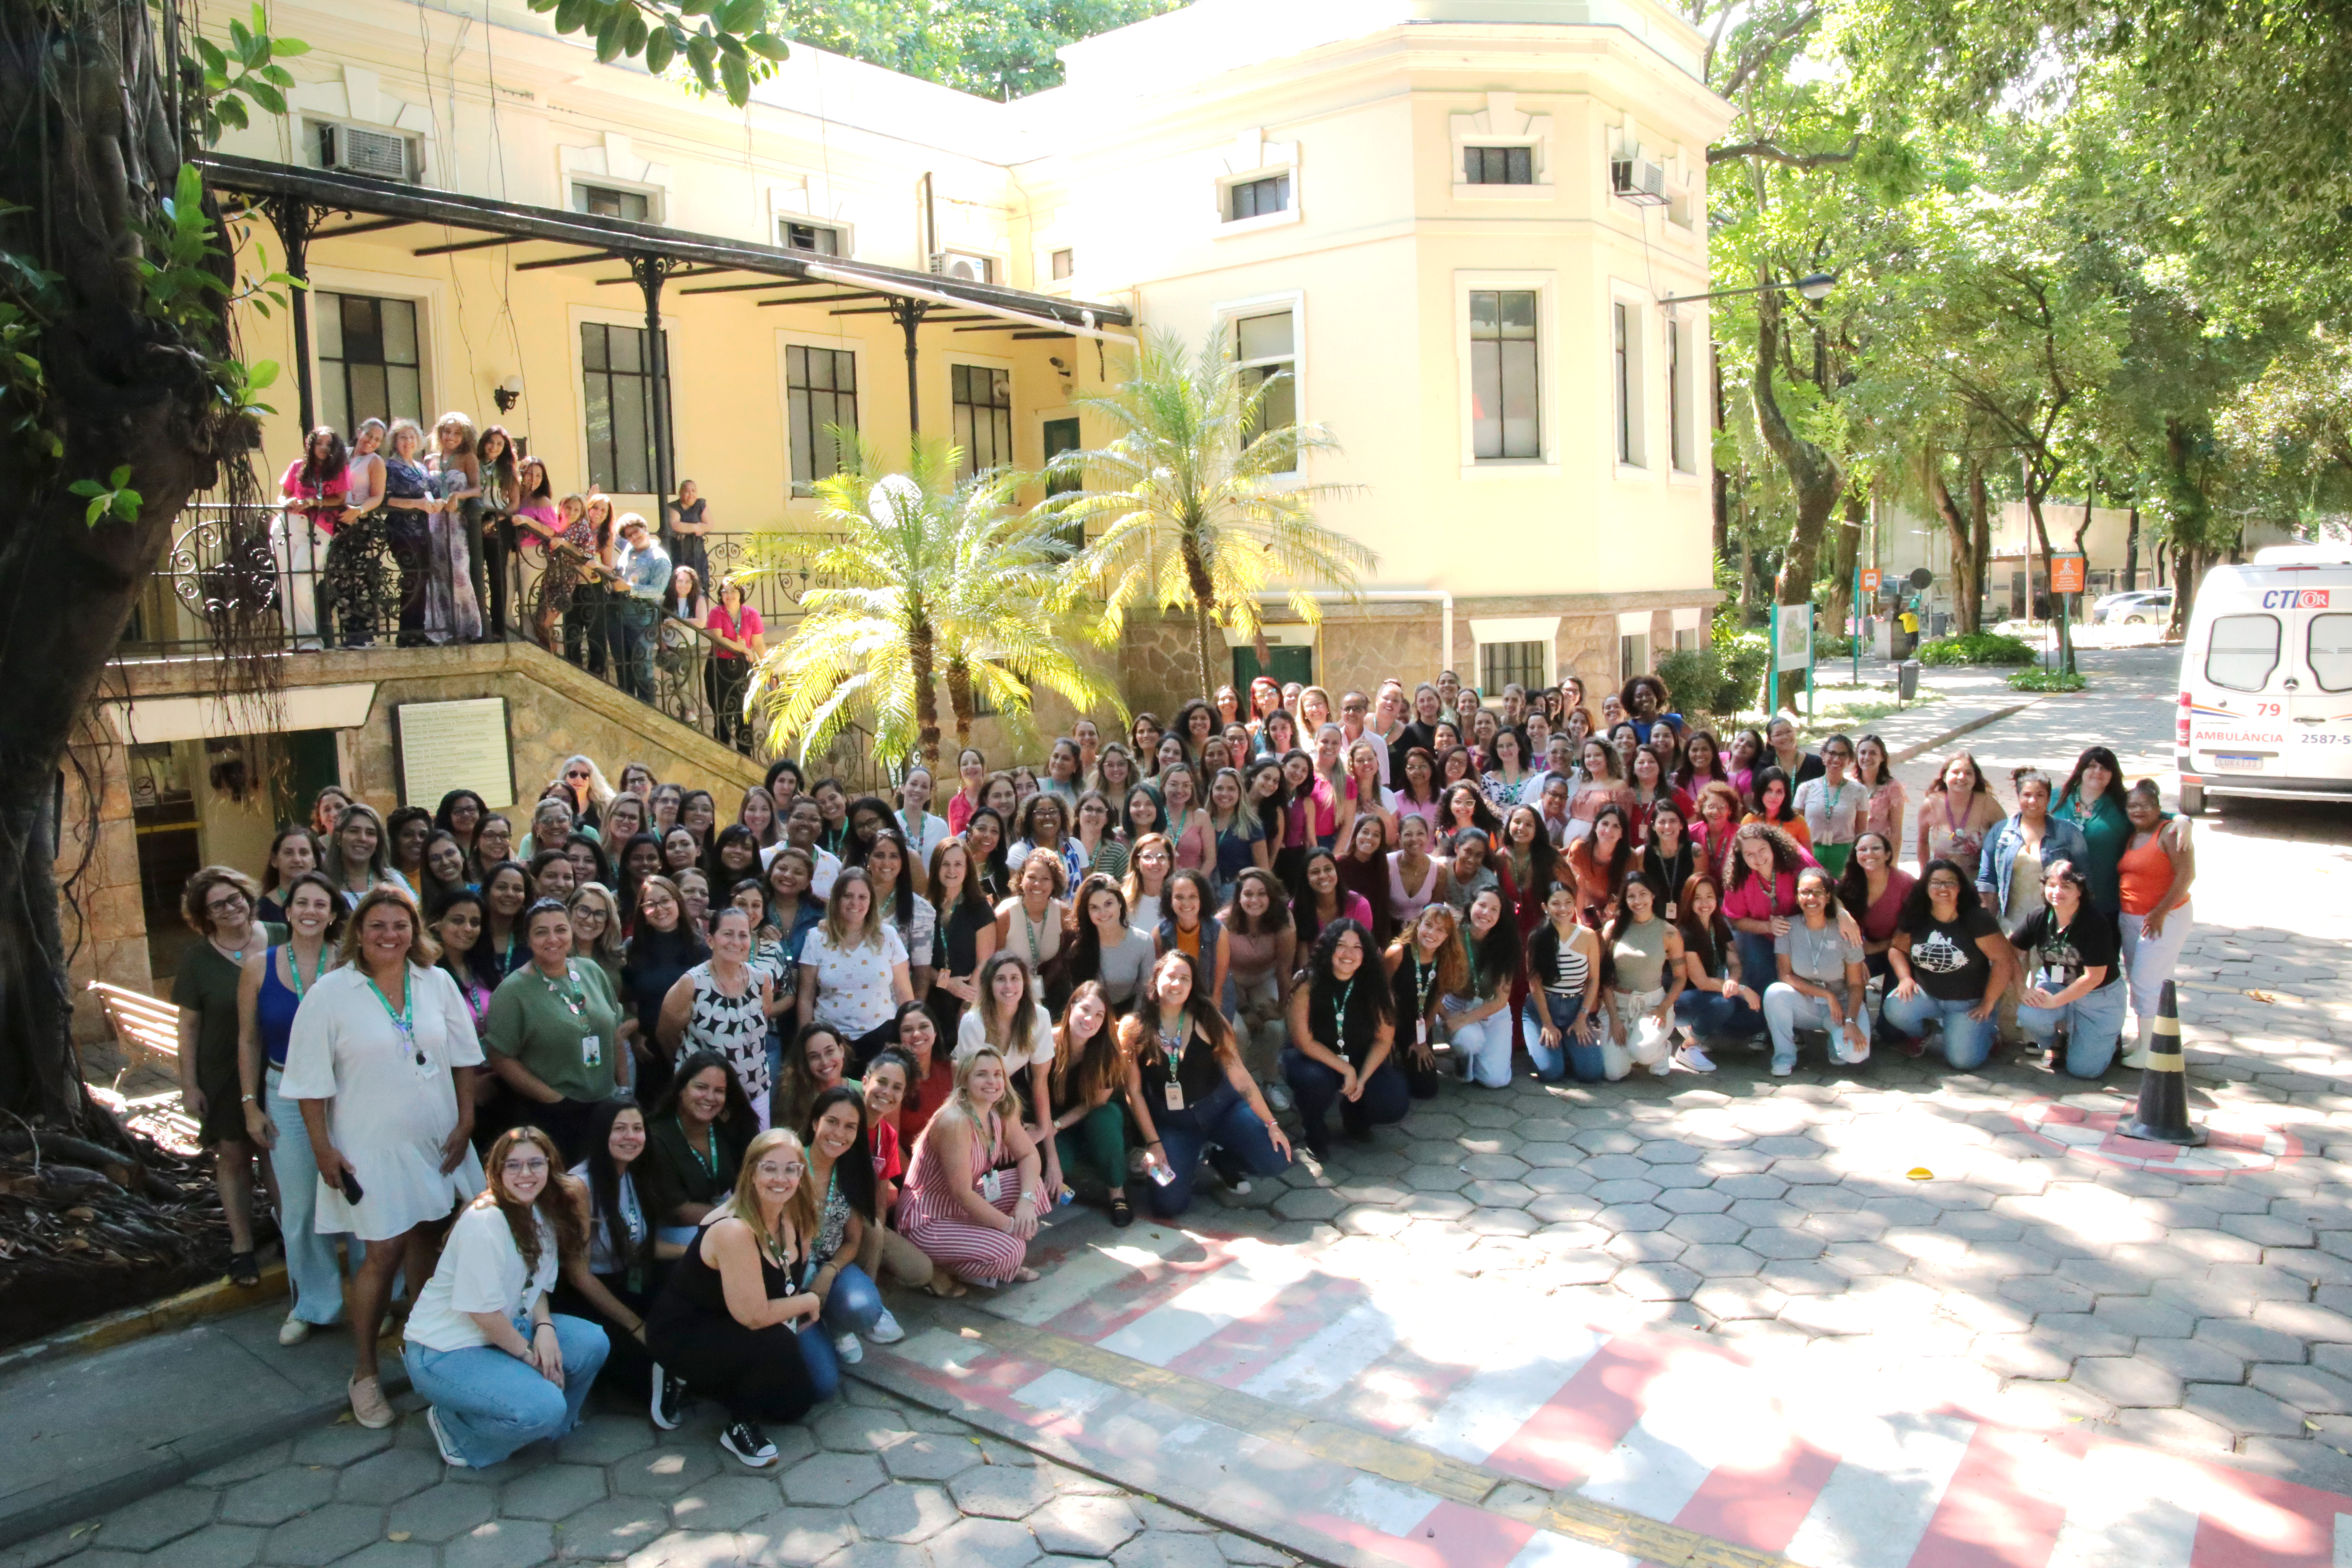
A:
[500,1366]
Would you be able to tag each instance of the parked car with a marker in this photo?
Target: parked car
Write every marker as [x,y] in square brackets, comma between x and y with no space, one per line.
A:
[2147,607]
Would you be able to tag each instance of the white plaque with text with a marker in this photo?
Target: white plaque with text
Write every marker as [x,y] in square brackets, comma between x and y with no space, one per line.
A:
[454,745]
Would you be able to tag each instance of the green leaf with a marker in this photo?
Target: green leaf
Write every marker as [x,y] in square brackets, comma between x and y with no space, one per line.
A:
[738,79]
[230,111]
[278,75]
[769,45]
[209,52]
[701,54]
[660,49]
[268,97]
[120,477]
[635,40]
[241,37]
[97,510]
[697,7]
[739,15]
[609,34]
[86,487]
[288,48]
[263,374]
[570,15]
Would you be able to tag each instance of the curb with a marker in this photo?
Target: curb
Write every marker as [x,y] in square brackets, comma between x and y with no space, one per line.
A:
[1911,753]
[217,1299]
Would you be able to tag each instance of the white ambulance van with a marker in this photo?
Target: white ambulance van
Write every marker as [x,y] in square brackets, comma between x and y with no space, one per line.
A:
[2266,679]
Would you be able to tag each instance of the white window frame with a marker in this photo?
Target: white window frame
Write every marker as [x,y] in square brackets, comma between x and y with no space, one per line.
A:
[785,339]
[576,317]
[1464,131]
[1690,621]
[844,233]
[1227,228]
[428,295]
[1550,383]
[1231,312]
[1498,629]
[1639,309]
[656,197]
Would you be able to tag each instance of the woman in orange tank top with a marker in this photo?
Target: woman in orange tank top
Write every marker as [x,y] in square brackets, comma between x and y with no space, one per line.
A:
[2156,867]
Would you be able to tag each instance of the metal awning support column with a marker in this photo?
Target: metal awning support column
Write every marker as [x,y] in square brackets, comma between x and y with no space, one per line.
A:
[649,272]
[295,219]
[910,314]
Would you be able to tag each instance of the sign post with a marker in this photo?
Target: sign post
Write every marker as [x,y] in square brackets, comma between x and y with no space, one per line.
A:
[2068,576]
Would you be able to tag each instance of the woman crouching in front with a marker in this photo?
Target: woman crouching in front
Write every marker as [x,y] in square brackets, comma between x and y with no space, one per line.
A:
[501,1367]
[729,1316]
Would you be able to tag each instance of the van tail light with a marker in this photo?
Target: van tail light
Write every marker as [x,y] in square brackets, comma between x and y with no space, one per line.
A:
[2180,724]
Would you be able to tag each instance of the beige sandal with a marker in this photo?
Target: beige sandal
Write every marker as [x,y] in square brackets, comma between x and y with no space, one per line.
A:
[946,1287]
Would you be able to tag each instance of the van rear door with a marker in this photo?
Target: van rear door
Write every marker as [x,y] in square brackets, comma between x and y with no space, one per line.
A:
[2240,726]
[2319,692]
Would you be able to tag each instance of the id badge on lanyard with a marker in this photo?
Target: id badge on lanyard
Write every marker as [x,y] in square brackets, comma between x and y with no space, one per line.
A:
[991,1186]
[1175,1094]
[592,1051]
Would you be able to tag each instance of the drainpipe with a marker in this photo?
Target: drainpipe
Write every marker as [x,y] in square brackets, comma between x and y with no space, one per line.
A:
[1440,596]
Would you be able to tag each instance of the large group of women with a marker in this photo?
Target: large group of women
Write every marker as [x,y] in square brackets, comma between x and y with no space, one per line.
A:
[621,1084]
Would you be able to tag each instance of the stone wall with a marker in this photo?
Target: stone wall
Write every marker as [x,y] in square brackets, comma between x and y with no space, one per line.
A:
[99,907]
[1159,666]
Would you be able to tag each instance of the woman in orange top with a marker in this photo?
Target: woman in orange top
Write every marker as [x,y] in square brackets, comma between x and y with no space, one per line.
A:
[2156,867]
[1776,804]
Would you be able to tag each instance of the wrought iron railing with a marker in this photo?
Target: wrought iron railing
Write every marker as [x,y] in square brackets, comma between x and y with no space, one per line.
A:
[253,581]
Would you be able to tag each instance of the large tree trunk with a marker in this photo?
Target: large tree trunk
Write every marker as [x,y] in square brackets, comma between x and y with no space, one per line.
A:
[1813,473]
[1204,614]
[1967,569]
[1844,557]
[921,655]
[959,701]
[1981,523]
[1722,485]
[89,150]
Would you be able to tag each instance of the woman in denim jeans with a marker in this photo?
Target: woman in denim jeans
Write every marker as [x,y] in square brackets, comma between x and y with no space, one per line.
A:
[2071,1003]
[1189,1093]
[1563,1018]
[1950,965]
[500,1366]
[1716,998]
[1342,1045]
[841,1177]
[1477,1019]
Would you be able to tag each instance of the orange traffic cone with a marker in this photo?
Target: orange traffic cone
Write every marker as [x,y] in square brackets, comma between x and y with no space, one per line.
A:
[2163,1114]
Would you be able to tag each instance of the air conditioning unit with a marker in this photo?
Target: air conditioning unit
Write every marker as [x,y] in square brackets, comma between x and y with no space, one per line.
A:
[963,266]
[378,152]
[1641,181]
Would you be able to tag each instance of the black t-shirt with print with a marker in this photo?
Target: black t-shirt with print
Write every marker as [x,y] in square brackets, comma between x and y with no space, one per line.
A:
[1947,960]
[2067,950]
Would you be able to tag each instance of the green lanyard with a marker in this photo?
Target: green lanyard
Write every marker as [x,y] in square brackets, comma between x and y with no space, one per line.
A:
[571,998]
[405,1019]
[1424,978]
[1340,1014]
[294,967]
[710,1165]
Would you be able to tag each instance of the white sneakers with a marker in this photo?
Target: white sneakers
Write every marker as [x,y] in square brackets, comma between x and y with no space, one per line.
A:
[293,1331]
[441,1440]
[885,1329]
[1690,1059]
[846,1346]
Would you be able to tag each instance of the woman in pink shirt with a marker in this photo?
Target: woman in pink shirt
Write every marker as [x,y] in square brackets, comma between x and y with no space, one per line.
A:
[314,488]
[729,671]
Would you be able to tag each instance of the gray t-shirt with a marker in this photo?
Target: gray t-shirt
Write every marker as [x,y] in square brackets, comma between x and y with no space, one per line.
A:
[1124,966]
[1820,956]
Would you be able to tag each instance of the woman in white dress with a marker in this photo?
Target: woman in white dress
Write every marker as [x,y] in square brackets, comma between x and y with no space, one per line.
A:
[382,1060]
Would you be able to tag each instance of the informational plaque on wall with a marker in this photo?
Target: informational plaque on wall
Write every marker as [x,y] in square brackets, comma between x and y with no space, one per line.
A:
[443,746]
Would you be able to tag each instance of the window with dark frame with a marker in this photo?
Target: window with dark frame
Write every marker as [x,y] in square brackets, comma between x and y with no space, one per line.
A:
[820,391]
[1675,400]
[1506,405]
[1633,655]
[1621,351]
[1265,347]
[618,396]
[1064,262]
[816,238]
[1257,198]
[1502,663]
[369,362]
[1498,166]
[607,201]
[981,399]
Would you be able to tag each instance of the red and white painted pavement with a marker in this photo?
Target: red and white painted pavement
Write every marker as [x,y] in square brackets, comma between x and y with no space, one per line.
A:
[1667,1425]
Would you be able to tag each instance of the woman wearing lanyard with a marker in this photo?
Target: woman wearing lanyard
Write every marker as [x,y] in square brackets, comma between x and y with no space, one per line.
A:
[973,1196]
[1831,806]
[553,1033]
[382,1058]
[1476,1019]
[612,1281]
[1424,963]
[506,888]
[217,904]
[1188,1091]
[268,995]
[695,1137]
[724,1005]
[1342,1041]
[1032,921]
[2070,1005]
[1564,1034]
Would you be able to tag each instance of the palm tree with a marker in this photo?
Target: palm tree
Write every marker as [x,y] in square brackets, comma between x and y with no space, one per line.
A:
[922,576]
[1198,508]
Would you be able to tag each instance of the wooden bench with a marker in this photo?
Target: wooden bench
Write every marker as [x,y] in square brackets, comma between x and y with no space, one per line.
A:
[146,1027]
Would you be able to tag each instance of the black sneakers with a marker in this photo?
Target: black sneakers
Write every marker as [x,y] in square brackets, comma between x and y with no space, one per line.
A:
[670,1399]
[748,1443]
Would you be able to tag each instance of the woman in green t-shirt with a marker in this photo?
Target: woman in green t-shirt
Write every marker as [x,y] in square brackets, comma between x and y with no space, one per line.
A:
[553,1034]
[218,904]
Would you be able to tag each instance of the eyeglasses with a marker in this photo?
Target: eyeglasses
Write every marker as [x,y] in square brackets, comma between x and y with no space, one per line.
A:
[228,906]
[525,1167]
[770,1168]
[575,775]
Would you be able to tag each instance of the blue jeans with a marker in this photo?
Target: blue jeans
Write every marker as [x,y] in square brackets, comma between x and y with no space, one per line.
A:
[1967,1041]
[1573,1054]
[632,645]
[851,1307]
[311,1264]
[1385,1100]
[1757,967]
[491,1404]
[2091,1023]
[1486,1044]
[1708,1013]
[1223,1119]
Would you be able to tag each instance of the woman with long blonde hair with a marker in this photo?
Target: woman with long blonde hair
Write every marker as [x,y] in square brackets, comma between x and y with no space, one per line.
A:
[454,595]
[731,1316]
[503,1376]
[972,1199]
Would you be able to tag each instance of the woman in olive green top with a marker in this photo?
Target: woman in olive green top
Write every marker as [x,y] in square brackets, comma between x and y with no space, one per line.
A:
[2092,801]
[552,1033]
[218,904]
[694,1138]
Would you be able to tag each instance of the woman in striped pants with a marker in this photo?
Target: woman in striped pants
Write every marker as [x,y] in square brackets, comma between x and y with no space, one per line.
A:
[972,1198]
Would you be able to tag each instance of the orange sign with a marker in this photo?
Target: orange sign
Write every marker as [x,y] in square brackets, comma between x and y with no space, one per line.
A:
[1871,578]
[2066,574]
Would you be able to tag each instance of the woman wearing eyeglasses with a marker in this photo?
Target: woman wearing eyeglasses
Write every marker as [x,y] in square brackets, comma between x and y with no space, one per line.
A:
[218,906]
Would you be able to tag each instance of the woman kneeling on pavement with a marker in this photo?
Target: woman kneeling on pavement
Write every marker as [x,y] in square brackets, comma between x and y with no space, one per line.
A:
[841,1174]
[1342,1041]
[2073,992]
[614,1279]
[1823,983]
[972,1199]
[1189,1093]
[500,1366]
[728,1317]
[1950,967]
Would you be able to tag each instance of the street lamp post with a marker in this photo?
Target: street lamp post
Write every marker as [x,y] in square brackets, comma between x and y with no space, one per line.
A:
[1815,287]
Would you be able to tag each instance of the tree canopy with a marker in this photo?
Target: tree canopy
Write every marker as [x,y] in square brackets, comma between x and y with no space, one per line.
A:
[996,48]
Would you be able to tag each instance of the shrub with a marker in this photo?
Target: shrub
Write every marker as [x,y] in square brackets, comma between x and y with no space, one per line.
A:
[2039,680]
[1722,678]
[1977,648]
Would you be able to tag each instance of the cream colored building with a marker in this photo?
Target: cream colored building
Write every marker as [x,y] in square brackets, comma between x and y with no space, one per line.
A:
[1451,221]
